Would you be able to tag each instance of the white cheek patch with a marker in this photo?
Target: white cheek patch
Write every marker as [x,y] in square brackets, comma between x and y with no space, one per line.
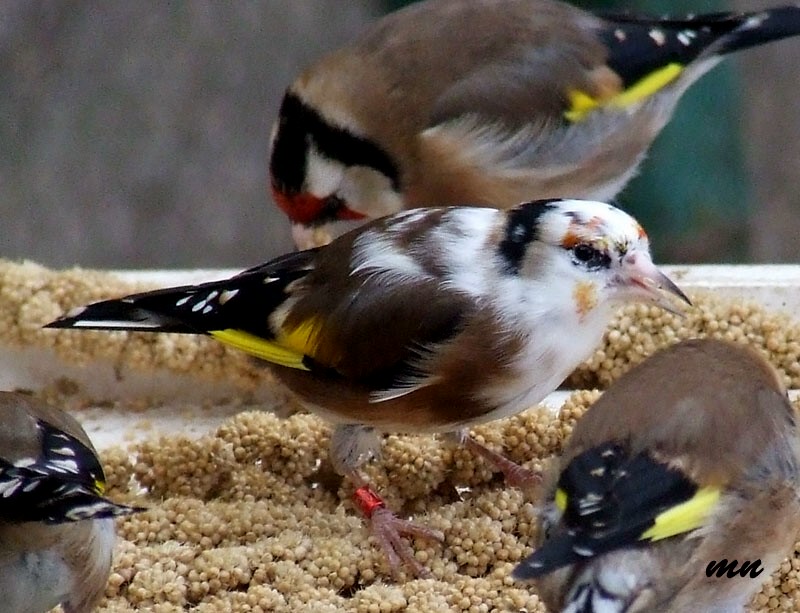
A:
[367,191]
[323,175]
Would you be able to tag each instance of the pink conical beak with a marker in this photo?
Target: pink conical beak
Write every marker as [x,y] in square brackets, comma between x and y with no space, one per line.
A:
[641,276]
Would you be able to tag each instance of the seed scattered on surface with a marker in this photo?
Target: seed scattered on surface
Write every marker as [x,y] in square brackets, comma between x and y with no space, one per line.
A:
[246,518]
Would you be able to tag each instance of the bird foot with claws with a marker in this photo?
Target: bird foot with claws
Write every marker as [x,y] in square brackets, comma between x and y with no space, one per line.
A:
[515,475]
[389,530]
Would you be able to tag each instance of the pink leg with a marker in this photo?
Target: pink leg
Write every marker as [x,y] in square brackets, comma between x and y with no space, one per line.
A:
[515,475]
[389,529]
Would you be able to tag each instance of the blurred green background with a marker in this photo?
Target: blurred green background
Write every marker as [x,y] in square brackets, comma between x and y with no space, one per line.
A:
[136,134]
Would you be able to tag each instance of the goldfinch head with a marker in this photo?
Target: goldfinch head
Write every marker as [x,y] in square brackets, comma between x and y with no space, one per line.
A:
[595,251]
[326,176]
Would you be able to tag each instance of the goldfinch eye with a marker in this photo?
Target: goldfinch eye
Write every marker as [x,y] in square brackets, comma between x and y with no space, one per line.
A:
[589,257]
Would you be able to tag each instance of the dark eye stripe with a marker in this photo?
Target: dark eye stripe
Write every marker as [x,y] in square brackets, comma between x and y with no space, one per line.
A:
[299,127]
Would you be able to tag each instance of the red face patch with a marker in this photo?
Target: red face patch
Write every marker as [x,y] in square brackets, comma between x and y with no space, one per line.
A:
[306,208]
[346,214]
[300,208]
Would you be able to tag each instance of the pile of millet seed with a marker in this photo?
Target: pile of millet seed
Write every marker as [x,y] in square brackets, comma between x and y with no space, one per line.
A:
[251,516]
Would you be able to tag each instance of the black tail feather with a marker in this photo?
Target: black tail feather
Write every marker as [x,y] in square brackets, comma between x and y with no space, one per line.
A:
[124,314]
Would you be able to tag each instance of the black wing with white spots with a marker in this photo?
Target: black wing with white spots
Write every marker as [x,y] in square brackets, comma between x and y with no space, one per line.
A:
[612,499]
[640,46]
[65,482]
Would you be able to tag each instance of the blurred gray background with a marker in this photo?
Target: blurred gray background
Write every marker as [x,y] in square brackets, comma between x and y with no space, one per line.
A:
[135,134]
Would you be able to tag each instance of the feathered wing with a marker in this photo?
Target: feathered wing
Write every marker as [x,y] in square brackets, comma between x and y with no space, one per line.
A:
[65,482]
[578,62]
[559,96]
[610,500]
[302,311]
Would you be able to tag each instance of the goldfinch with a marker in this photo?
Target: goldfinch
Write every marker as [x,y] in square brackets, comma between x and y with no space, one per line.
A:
[677,491]
[56,529]
[429,320]
[488,102]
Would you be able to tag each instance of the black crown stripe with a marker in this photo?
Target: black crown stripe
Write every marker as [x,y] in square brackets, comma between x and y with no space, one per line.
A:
[522,228]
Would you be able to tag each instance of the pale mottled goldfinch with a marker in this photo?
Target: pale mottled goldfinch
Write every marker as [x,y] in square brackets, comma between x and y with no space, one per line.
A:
[489,102]
[689,461]
[56,529]
[426,321]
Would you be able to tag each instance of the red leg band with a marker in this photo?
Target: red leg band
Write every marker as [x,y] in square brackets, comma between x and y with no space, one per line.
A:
[367,501]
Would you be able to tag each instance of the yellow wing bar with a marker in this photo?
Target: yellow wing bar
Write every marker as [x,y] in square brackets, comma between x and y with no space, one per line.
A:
[581,103]
[262,348]
[289,349]
[683,517]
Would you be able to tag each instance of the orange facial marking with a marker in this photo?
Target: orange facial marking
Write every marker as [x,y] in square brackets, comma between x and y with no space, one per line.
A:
[585,295]
[570,240]
[640,230]
[578,231]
